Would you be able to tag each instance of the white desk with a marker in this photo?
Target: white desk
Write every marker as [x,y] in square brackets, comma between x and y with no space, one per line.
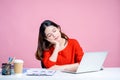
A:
[106,74]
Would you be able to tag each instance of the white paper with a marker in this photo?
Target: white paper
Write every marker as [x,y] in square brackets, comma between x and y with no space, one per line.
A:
[39,72]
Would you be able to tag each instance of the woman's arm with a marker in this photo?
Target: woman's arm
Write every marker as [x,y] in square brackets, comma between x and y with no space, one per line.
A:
[54,55]
[50,59]
[68,67]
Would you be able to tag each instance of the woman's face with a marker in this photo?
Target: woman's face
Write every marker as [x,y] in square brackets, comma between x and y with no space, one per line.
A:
[53,33]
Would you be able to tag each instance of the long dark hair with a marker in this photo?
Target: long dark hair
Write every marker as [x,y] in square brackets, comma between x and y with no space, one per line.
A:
[43,44]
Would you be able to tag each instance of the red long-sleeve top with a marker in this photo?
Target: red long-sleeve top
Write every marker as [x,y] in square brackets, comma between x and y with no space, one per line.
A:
[72,53]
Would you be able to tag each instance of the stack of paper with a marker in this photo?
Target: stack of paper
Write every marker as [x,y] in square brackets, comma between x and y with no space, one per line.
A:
[40,72]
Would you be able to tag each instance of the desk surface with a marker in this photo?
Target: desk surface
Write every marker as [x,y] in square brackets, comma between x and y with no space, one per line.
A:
[106,74]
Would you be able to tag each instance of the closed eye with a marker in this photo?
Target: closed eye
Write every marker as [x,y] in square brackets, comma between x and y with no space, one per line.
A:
[54,30]
[49,35]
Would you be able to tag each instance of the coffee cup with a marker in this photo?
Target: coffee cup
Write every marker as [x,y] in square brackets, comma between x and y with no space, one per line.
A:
[18,66]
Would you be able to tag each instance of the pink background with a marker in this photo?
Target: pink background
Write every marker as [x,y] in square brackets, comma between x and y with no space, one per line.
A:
[94,23]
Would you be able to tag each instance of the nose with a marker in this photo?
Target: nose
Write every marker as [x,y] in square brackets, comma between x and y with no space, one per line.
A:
[53,35]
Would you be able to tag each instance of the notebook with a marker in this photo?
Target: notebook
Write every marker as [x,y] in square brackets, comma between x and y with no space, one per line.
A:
[91,62]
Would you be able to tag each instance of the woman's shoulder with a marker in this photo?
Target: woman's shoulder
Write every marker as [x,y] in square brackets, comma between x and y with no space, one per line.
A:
[72,40]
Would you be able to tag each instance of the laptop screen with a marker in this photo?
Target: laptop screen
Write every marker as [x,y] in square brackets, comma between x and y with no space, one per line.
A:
[92,61]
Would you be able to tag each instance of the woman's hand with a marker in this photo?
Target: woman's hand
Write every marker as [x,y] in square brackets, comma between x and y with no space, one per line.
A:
[68,67]
[56,44]
[54,55]
[53,41]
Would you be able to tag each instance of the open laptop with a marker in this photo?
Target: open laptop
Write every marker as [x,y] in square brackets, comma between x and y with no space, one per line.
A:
[91,61]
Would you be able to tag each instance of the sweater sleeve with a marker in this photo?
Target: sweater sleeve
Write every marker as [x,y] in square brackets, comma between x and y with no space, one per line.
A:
[46,60]
[78,52]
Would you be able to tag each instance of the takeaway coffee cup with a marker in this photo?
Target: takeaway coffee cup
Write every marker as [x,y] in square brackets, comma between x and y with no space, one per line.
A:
[18,66]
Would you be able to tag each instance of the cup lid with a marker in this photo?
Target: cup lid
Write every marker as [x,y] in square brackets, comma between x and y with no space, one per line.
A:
[18,61]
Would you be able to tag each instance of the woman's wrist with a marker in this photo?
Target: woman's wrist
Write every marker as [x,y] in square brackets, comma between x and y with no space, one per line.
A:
[71,67]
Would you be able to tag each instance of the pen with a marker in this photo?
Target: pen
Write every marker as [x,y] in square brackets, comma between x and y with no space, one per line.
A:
[11,60]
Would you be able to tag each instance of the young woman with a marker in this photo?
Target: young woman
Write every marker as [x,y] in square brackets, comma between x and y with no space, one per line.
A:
[56,50]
